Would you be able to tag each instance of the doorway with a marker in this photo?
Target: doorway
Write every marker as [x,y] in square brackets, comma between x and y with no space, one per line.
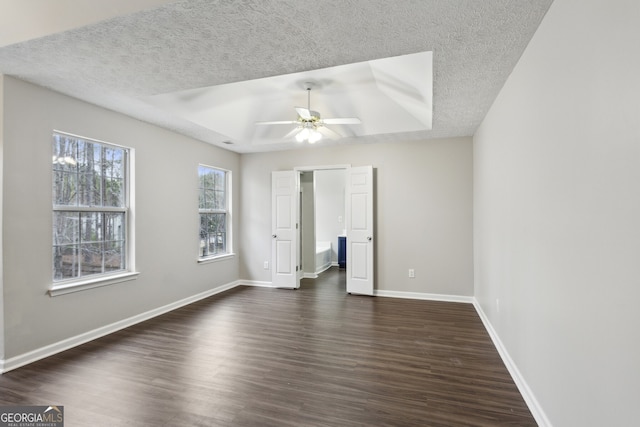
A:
[322,196]
[286,253]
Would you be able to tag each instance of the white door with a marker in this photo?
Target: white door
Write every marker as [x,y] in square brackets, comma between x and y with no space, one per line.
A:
[359,214]
[284,229]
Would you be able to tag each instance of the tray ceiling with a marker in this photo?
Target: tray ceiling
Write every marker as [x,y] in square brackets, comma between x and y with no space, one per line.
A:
[210,69]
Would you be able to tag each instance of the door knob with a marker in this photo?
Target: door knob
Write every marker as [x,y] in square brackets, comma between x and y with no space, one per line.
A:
[369,238]
[275,236]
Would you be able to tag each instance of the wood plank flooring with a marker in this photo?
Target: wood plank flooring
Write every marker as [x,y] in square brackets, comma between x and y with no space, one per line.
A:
[269,357]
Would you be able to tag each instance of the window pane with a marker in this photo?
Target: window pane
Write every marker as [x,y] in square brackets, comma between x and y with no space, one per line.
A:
[91,227]
[113,165]
[212,178]
[90,174]
[114,192]
[219,200]
[65,262]
[205,176]
[219,180]
[66,228]
[212,234]
[216,233]
[201,202]
[89,190]
[91,258]
[64,153]
[114,256]
[212,188]
[216,223]
[102,243]
[65,188]
[114,227]
[89,157]
[209,199]
[203,235]
[217,244]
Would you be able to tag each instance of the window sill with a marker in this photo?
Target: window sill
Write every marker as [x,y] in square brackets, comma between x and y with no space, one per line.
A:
[82,285]
[216,258]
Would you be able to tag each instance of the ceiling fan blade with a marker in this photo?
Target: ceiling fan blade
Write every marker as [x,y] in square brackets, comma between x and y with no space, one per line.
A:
[343,121]
[292,133]
[286,122]
[304,112]
[325,131]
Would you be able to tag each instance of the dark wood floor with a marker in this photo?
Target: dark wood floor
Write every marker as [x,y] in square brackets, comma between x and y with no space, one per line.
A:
[270,357]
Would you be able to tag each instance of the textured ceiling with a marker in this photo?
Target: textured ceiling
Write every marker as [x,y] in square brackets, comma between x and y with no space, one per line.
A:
[22,20]
[124,62]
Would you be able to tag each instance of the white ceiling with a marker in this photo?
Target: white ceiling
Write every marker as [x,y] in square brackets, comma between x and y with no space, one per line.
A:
[390,95]
[210,69]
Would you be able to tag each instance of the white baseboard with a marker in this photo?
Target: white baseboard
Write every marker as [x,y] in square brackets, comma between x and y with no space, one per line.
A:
[256,283]
[526,392]
[50,350]
[323,269]
[310,276]
[424,296]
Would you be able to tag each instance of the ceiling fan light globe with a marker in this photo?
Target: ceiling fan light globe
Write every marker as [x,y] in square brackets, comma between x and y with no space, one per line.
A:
[302,135]
[314,136]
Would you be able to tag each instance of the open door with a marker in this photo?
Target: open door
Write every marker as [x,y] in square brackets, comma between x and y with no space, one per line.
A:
[284,226]
[359,216]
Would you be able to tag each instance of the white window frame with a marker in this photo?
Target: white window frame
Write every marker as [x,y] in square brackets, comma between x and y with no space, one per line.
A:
[228,217]
[65,286]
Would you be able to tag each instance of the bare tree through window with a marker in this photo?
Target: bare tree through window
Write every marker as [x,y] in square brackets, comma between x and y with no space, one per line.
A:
[213,209]
[89,207]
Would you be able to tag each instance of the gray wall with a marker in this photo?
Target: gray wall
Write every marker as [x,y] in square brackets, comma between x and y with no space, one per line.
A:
[166,199]
[1,217]
[556,215]
[307,215]
[330,209]
[423,208]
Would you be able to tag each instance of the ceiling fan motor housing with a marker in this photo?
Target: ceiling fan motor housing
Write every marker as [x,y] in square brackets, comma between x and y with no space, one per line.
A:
[315,117]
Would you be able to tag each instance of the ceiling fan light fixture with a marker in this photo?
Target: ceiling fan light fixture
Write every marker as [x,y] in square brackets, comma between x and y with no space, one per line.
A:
[314,136]
[308,134]
[302,135]
[310,126]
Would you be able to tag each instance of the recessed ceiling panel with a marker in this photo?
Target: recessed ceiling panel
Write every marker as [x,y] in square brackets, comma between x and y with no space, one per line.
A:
[388,95]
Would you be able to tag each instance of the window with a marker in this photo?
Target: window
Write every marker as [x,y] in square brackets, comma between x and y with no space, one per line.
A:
[214,211]
[90,208]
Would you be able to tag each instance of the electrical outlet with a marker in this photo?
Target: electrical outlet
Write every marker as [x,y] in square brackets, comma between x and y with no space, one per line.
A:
[412,273]
[266,265]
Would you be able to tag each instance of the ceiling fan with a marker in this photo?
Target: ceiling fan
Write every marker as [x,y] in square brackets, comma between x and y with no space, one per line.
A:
[310,126]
